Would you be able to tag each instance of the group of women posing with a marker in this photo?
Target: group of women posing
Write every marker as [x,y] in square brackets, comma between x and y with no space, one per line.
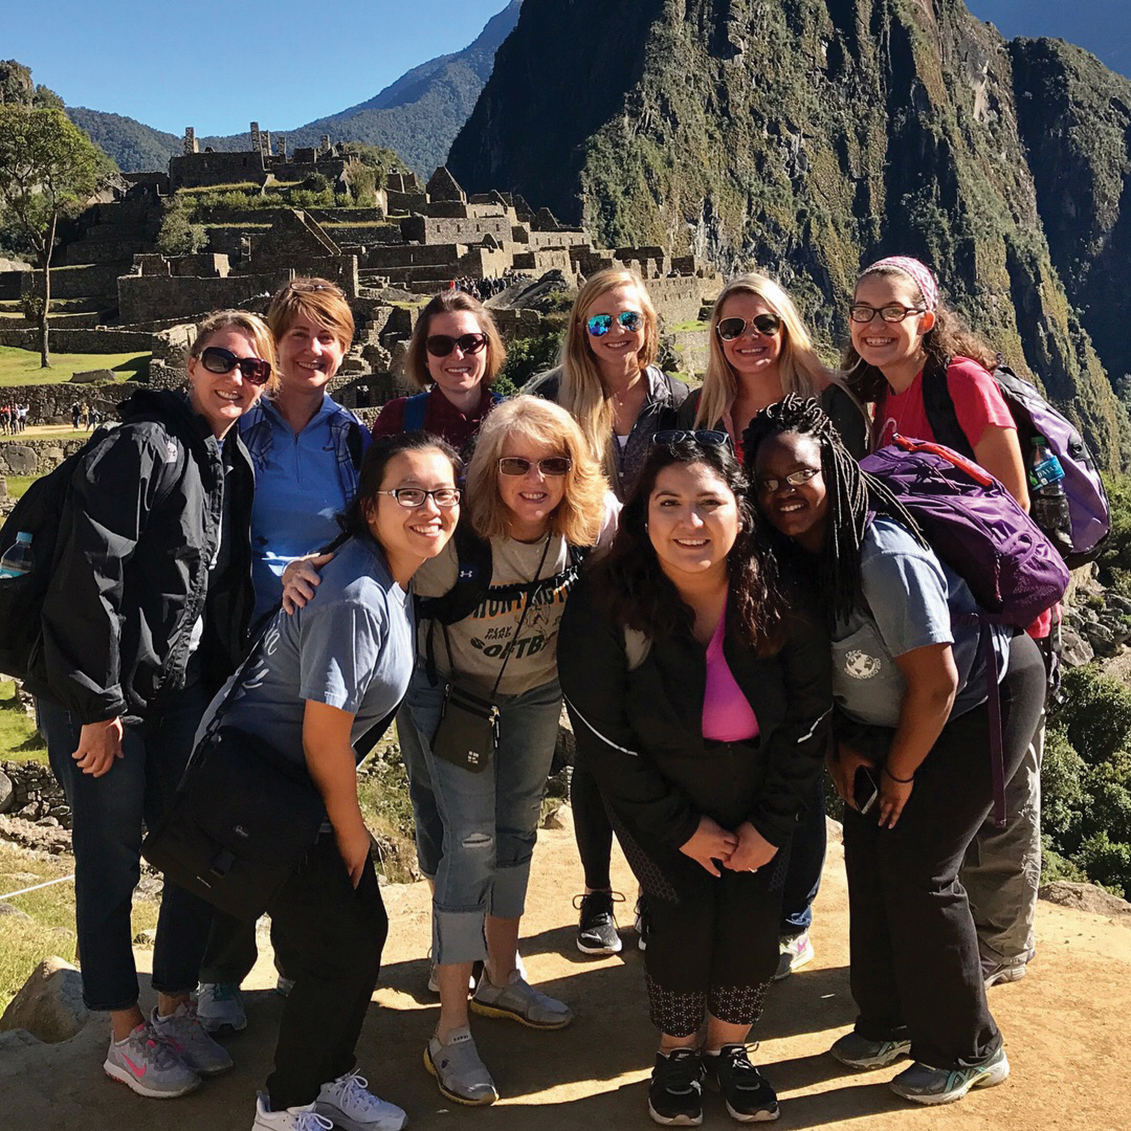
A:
[694,574]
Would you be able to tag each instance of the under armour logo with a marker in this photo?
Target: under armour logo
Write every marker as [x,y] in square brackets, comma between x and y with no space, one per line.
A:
[466,573]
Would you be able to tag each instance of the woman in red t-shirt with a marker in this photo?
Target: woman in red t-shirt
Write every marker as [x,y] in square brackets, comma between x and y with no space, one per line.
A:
[902,335]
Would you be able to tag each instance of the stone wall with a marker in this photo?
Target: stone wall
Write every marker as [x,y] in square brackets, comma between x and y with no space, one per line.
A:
[196,170]
[432,229]
[84,281]
[142,298]
[37,457]
[80,340]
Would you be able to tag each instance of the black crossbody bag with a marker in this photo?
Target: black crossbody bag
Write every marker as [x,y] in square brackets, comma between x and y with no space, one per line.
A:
[241,818]
[467,734]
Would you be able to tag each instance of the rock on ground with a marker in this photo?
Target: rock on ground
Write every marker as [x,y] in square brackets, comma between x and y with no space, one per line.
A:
[1087,897]
[50,1004]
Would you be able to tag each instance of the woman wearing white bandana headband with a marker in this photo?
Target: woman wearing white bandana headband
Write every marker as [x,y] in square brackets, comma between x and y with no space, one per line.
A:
[900,329]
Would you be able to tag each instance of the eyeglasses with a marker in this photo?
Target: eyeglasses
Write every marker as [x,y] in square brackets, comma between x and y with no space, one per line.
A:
[861,312]
[551,466]
[600,324]
[314,288]
[254,370]
[794,479]
[730,328]
[704,437]
[412,497]
[440,345]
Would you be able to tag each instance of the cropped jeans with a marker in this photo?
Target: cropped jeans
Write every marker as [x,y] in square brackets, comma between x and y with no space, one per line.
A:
[107,816]
[488,821]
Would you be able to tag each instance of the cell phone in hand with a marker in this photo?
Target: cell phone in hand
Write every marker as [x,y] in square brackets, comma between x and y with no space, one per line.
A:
[865,791]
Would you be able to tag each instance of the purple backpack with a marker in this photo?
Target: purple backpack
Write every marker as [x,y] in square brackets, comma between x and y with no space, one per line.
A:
[978,529]
[1033,415]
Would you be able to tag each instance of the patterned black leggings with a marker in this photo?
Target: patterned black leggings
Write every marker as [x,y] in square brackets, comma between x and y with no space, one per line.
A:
[713,945]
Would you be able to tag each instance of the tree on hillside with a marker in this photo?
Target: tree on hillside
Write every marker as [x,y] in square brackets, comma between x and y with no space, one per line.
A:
[48,169]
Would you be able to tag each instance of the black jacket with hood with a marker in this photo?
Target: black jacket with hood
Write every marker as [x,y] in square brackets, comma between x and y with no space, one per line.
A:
[638,724]
[132,564]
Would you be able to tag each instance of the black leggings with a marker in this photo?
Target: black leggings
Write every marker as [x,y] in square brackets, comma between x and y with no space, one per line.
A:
[915,969]
[591,829]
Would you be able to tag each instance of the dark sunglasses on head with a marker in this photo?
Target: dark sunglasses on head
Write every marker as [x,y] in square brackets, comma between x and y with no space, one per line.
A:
[254,370]
[704,437]
[440,345]
[550,466]
[600,324]
[730,328]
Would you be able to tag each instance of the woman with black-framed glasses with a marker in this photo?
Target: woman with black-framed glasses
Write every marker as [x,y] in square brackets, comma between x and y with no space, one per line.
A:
[454,355]
[610,383]
[760,349]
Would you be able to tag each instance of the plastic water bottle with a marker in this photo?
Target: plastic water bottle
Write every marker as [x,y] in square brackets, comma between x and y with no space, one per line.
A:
[17,559]
[1048,503]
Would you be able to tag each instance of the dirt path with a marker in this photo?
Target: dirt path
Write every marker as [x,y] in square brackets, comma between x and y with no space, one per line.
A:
[1067,1027]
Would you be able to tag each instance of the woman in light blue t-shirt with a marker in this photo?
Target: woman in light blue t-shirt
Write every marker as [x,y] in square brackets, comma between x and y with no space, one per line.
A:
[913,725]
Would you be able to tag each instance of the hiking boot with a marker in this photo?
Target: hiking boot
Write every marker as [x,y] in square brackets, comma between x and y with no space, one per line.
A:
[521,1002]
[150,1066]
[856,1051]
[675,1092]
[597,927]
[747,1093]
[348,1102]
[795,951]
[460,1074]
[219,1005]
[642,922]
[183,1030]
[926,1085]
[995,973]
[289,1119]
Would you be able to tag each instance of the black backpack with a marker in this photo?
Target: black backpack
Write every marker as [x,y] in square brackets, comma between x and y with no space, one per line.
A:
[40,512]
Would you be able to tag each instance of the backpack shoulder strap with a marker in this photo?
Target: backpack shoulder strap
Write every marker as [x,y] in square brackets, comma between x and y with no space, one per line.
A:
[473,579]
[939,406]
[414,408]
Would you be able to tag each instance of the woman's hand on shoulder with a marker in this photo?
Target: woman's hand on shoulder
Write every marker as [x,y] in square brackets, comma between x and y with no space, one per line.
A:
[710,842]
[753,850]
[300,579]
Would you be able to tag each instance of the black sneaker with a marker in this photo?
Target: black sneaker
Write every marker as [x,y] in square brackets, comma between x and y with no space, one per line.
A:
[675,1092]
[748,1094]
[642,922]
[597,928]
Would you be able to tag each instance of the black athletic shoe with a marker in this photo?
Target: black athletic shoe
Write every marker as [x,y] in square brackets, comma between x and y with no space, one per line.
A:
[748,1095]
[675,1092]
[597,928]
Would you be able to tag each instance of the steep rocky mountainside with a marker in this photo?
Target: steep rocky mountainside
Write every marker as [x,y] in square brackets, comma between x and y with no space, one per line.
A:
[418,115]
[805,136]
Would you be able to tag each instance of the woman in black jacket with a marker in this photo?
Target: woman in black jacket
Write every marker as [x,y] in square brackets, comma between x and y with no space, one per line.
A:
[699,704]
[145,616]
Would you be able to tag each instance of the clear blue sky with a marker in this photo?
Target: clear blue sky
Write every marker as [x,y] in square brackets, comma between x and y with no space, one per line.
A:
[218,64]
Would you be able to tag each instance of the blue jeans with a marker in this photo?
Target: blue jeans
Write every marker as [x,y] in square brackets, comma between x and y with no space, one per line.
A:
[806,859]
[489,820]
[107,816]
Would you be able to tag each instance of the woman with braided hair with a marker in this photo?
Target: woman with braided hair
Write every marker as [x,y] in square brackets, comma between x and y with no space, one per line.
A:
[911,721]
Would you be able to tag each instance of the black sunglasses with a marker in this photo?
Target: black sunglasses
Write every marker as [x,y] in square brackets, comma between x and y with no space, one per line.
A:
[550,466]
[440,345]
[730,328]
[254,370]
[704,437]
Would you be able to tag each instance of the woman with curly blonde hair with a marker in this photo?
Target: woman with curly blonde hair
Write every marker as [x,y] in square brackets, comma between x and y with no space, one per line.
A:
[760,350]
[490,605]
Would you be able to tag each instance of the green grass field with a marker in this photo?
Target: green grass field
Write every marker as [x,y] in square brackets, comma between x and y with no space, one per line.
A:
[21,367]
[19,741]
[18,484]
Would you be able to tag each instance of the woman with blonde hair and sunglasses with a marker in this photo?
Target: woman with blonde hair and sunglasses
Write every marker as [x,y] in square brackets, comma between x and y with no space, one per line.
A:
[609,382]
[759,351]
[454,356]
[535,497]
[147,611]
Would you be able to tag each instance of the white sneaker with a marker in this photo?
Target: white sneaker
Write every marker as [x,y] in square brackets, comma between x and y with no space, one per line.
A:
[289,1119]
[349,1103]
[219,1005]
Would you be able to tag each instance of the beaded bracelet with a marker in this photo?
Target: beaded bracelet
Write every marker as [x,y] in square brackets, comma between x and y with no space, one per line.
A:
[901,781]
